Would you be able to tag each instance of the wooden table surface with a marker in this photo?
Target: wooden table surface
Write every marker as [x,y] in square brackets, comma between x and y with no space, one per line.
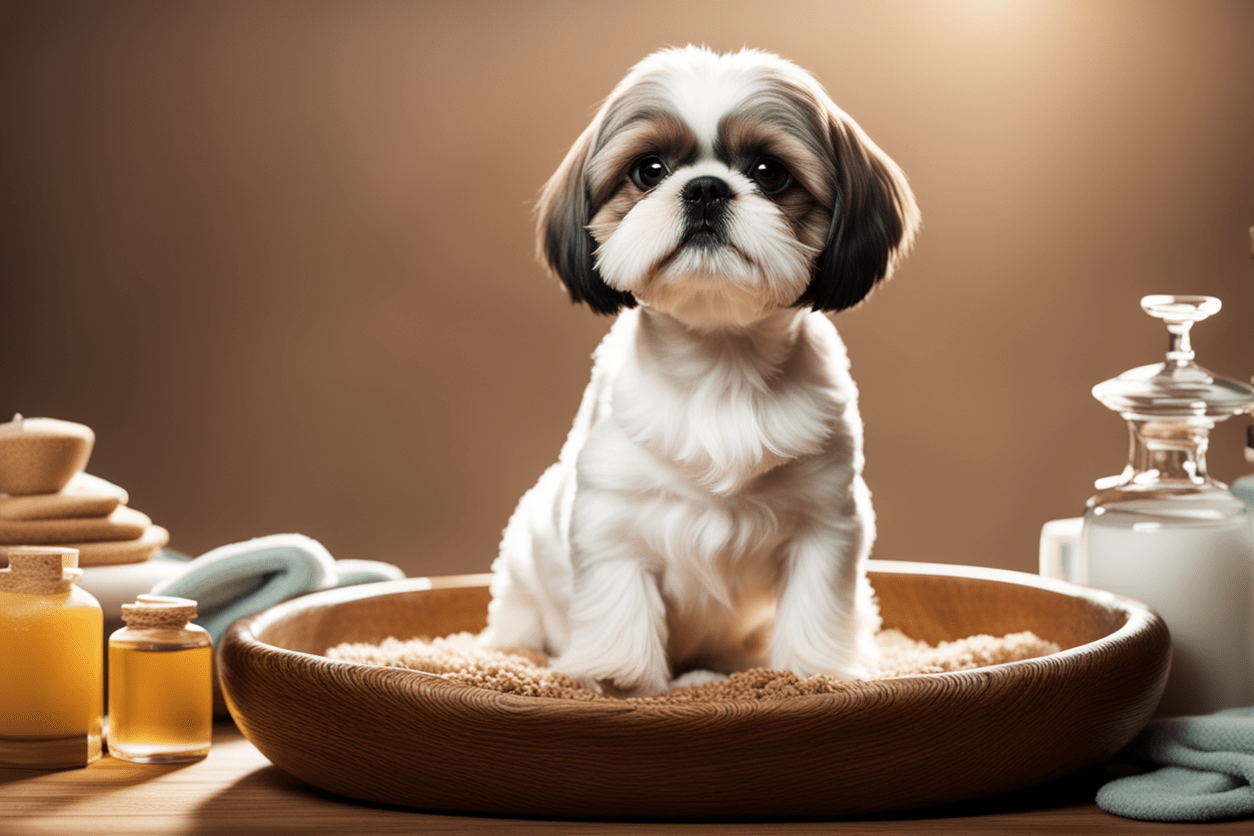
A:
[235,790]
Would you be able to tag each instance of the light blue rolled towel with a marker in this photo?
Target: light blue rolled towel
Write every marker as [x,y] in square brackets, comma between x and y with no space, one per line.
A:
[1207,770]
[240,579]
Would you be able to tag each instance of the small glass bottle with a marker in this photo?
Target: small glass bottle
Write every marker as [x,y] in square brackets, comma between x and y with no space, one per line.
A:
[51,662]
[160,683]
[1243,486]
[1165,533]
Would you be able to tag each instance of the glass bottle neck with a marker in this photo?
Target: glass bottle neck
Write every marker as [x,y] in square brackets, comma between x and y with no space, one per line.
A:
[1166,479]
[1167,454]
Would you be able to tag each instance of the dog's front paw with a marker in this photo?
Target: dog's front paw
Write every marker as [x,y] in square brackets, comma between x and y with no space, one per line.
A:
[839,665]
[697,677]
[627,680]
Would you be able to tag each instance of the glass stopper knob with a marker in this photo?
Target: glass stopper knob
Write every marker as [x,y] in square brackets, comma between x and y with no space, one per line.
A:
[1179,313]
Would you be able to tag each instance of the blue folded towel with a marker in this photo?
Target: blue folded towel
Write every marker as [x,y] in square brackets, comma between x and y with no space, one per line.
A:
[1207,770]
[240,579]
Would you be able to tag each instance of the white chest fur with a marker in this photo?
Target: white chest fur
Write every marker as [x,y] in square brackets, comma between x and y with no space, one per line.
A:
[703,455]
[698,469]
[722,409]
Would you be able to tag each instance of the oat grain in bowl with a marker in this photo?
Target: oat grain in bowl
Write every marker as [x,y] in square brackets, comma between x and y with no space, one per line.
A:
[460,658]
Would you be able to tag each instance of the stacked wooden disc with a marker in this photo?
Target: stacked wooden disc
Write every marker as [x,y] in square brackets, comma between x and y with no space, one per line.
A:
[47,500]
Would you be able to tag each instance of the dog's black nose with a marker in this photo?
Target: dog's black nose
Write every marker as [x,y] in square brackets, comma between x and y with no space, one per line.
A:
[706,189]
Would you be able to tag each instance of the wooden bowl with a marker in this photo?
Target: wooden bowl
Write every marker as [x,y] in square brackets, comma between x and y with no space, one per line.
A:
[413,739]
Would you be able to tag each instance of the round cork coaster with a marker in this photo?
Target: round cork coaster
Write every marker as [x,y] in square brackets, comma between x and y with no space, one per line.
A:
[122,524]
[84,484]
[126,551]
[112,552]
[84,496]
[56,506]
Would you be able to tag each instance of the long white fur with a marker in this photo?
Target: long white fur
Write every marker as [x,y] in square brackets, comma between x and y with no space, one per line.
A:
[707,510]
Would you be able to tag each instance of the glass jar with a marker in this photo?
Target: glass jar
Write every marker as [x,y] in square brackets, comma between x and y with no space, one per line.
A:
[160,683]
[51,666]
[1167,534]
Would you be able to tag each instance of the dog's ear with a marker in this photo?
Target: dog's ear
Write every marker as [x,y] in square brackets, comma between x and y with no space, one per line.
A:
[873,222]
[563,241]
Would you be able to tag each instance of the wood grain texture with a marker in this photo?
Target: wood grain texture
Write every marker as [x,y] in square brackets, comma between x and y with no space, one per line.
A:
[412,739]
[237,791]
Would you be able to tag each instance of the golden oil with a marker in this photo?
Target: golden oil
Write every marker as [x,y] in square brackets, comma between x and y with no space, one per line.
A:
[51,663]
[160,683]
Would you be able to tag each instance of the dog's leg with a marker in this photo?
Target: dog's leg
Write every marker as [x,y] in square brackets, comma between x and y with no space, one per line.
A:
[618,630]
[514,614]
[826,616]
[531,577]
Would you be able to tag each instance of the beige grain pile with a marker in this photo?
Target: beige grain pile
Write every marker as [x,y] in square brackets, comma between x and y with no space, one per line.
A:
[459,658]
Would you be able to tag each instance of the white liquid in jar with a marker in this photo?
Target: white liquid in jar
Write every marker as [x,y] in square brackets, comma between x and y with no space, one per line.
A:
[1199,576]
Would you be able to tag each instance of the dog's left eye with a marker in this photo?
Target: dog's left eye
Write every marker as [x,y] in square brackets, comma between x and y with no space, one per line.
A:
[649,171]
[770,175]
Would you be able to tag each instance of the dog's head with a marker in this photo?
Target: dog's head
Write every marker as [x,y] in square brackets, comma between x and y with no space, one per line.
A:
[719,188]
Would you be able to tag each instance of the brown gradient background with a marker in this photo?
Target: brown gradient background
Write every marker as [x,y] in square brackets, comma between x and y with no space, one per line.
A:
[279,254]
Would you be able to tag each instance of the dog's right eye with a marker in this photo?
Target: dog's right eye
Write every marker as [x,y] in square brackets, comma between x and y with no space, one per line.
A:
[649,171]
[770,175]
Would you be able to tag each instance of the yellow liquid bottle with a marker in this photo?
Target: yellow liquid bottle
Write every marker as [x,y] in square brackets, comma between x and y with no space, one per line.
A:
[51,666]
[160,683]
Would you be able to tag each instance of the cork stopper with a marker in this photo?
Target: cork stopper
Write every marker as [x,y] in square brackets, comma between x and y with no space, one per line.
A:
[40,570]
[159,611]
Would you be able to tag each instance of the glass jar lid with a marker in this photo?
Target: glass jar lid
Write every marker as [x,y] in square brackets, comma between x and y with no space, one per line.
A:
[1177,388]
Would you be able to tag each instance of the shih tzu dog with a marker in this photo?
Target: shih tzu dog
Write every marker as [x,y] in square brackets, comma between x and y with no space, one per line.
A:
[707,511]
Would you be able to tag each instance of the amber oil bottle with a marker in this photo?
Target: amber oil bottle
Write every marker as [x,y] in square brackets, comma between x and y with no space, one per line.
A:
[51,665]
[160,683]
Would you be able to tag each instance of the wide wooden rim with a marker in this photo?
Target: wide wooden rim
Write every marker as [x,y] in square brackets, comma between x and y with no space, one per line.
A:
[1138,618]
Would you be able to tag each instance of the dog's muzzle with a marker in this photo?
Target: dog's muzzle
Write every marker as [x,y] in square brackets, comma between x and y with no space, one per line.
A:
[705,201]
